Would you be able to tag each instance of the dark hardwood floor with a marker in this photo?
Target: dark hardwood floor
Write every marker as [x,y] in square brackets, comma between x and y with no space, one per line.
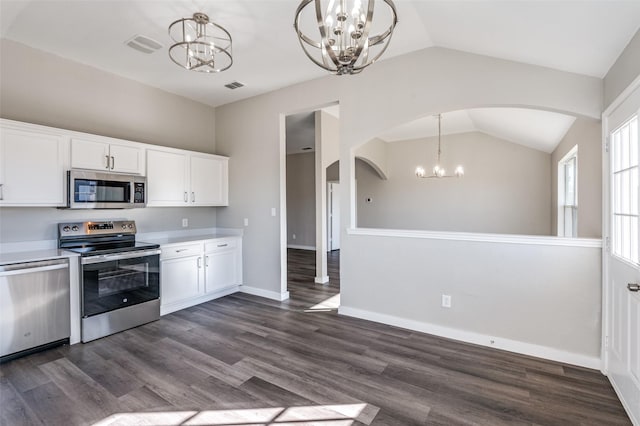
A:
[244,360]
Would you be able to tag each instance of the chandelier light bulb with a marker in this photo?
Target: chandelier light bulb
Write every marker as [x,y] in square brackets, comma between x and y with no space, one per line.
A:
[459,172]
[420,171]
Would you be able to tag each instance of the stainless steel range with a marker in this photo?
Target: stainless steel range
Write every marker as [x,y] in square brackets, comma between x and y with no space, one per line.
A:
[119,279]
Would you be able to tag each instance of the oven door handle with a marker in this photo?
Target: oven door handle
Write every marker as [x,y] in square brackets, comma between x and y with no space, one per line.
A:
[111,257]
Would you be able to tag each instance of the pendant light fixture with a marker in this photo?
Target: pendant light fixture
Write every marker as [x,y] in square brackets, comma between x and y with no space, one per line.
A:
[200,45]
[438,171]
[343,43]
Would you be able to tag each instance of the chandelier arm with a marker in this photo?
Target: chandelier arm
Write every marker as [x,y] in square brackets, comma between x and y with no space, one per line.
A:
[381,38]
[360,43]
[323,34]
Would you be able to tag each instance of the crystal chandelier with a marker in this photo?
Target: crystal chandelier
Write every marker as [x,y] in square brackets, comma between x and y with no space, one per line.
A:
[345,44]
[200,45]
[438,171]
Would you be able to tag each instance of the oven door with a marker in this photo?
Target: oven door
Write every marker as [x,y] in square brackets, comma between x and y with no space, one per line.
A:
[115,281]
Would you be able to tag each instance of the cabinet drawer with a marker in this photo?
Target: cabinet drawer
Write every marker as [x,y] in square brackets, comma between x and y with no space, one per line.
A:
[219,245]
[184,250]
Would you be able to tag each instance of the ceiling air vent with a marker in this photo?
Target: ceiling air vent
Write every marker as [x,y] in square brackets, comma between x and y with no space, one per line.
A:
[143,44]
[234,85]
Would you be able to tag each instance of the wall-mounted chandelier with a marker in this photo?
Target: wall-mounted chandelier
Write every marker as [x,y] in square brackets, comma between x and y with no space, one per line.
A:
[200,45]
[345,44]
[438,171]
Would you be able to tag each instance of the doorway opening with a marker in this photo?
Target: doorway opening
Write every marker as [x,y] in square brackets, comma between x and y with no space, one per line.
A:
[312,239]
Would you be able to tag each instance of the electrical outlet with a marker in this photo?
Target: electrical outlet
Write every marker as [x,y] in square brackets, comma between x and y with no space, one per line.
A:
[293,236]
[185,223]
[273,211]
[446,301]
[246,221]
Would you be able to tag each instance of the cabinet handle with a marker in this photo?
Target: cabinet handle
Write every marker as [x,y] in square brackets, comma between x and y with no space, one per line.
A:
[181,250]
[108,162]
[199,262]
[186,197]
[222,245]
[193,197]
[206,261]
[633,287]
[1,191]
[113,163]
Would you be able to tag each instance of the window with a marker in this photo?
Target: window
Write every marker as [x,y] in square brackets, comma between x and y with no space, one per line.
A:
[624,169]
[568,194]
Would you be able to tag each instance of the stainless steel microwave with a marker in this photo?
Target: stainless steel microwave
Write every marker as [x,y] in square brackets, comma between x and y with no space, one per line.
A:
[95,190]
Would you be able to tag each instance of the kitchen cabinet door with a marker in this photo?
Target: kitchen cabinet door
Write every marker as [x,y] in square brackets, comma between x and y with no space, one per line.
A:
[32,168]
[87,154]
[167,178]
[126,159]
[220,271]
[209,180]
[106,157]
[181,279]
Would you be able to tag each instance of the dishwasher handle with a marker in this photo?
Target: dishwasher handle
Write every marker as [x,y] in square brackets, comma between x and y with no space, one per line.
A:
[27,270]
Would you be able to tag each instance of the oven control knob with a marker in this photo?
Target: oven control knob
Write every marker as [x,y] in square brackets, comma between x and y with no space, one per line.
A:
[124,226]
[66,229]
[75,228]
[130,226]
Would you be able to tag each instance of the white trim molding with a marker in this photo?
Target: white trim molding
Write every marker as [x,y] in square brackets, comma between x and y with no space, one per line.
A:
[321,280]
[478,237]
[268,294]
[516,346]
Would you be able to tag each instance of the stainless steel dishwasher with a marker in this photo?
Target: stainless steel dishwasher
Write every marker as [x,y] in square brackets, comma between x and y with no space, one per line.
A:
[34,306]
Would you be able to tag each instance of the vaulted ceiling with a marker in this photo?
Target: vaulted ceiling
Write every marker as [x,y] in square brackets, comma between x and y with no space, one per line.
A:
[583,37]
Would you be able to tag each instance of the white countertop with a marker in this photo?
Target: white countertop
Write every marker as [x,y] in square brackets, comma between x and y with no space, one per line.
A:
[189,238]
[34,256]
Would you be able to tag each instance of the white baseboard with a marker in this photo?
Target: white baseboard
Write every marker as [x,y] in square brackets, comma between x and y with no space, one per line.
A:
[321,280]
[295,246]
[524,348]
[264,293]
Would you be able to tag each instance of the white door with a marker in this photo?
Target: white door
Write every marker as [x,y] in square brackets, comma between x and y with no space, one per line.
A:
[333,216]
[622,257]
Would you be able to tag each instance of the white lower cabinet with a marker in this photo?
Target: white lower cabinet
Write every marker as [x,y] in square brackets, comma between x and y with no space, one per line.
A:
[198,271]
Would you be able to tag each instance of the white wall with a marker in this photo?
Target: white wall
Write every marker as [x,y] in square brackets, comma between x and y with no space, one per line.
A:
[505,190]
[389,93]
[38,87]
[301,200]
[587,134]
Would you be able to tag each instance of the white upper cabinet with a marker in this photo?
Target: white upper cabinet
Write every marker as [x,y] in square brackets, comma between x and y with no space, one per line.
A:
[33,167]
[167,178]
[185,178]
[209,180]
[102,155]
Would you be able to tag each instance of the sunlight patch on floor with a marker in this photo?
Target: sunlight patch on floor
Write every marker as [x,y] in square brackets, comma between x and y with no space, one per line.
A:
[323,415]
[330,304]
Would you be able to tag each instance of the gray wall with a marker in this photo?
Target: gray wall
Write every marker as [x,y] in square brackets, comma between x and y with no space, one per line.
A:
[624,71]
[505,190]
[432,80]
[587,134]
[301,199]
[37,87]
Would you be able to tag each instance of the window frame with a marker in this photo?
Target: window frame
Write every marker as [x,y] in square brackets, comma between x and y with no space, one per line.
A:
[563,206]
[619,207]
